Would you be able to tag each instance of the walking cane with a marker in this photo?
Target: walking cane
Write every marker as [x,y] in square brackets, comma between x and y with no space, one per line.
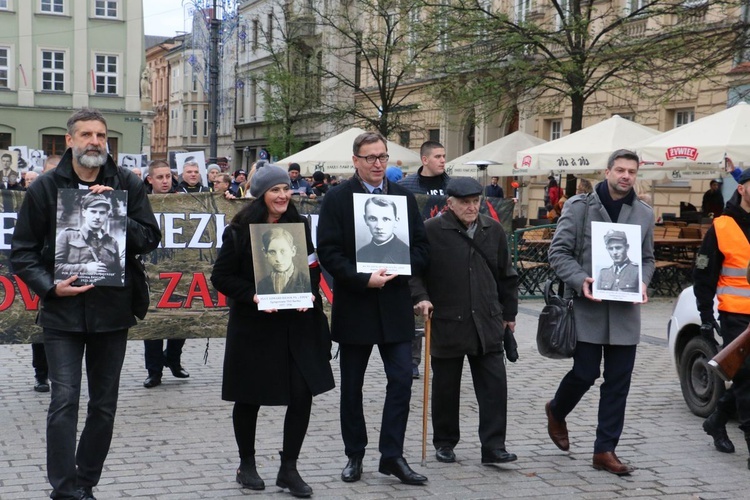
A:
[425,397]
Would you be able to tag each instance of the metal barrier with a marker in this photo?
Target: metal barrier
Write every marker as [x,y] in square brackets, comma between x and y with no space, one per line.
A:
[529,247]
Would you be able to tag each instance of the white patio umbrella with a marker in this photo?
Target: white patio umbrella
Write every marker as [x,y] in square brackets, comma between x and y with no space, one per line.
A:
[699,148]
[501,151]
[334,155]
[585,151]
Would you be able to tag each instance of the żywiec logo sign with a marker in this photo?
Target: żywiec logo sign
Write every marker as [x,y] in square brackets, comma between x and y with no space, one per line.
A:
[682,152]
[526,162]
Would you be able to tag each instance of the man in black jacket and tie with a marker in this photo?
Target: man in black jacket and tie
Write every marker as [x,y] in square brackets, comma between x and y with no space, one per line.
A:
[371,309]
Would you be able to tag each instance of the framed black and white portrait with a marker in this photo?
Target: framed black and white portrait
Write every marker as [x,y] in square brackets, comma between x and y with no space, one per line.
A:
[280,261]
[616,261]
[381,230]
[90,237]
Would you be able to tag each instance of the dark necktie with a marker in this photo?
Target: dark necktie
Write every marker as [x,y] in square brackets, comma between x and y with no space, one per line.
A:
[377,191]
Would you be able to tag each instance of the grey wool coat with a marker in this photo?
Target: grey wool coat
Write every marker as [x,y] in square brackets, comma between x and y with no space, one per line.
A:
[607,322]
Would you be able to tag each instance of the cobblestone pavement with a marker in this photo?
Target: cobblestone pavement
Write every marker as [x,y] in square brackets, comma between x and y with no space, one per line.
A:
[176,441]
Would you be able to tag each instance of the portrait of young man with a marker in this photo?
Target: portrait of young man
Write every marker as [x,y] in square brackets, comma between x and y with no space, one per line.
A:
[282,277]
[379,229]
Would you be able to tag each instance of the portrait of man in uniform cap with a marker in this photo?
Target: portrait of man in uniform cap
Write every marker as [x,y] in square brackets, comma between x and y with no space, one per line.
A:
[623,275]
[88,249]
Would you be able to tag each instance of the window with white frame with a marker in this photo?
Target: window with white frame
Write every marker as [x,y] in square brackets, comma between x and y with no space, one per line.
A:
[555,129]
[4,67]
[52,6]
[253,99]
[523,8]
[53,70]
[4,5]
[105,74]
[390,28]
[174,115]
[269,28]
[205,123]
[241,101]
[565,6]
[105,8]
[194,123]
[683,117]
[634,5]
[443,27]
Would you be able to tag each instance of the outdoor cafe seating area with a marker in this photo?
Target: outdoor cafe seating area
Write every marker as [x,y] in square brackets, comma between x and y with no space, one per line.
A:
[676,244]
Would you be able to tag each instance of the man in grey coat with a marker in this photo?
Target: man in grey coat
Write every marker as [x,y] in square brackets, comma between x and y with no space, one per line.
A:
[470,306]
[608,329]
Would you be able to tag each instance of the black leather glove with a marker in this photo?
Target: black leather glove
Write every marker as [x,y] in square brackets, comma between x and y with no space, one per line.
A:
[510,345]
[708,328]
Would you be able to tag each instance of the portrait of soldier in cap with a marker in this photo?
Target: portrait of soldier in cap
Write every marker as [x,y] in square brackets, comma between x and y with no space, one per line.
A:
[624,274]
[89,250]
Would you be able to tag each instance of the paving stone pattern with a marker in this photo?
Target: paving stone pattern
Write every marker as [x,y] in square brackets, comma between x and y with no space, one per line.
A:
[176,441]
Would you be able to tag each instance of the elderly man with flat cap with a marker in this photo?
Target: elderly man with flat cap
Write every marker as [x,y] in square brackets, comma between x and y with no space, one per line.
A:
[470,307]
[88,251]
[622,275]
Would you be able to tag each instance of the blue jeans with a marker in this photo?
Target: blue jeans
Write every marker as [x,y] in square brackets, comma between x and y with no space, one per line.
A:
[68,469]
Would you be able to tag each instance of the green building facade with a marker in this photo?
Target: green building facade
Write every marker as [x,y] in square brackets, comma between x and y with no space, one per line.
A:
[57,56]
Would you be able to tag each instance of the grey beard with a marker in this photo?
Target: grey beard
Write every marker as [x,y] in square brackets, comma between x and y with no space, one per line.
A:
[90,161]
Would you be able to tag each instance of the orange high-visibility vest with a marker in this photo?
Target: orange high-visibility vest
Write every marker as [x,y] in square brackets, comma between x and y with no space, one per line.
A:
[732,290]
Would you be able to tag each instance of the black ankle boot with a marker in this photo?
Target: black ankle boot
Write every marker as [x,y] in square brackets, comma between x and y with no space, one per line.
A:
[716,427]
[248,477]
[288,478]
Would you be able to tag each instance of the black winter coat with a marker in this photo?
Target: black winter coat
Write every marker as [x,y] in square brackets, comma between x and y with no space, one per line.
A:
[260,345]
[101,309]
[469,305]
[361,315]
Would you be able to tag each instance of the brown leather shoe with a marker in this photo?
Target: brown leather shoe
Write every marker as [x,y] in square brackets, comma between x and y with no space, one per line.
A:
[608,461]
[558,431]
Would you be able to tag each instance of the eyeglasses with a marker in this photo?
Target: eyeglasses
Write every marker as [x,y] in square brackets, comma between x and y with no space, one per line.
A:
[370,159]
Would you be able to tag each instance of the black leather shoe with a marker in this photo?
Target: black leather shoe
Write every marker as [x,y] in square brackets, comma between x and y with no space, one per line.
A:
[718,430]
[41,385]
[176,368]
[353,470]
[153,379]
[498,456]
[399,468]
[84,493]
[445,454]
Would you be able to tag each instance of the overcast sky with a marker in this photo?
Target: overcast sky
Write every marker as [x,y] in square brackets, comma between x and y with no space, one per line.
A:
[164,17]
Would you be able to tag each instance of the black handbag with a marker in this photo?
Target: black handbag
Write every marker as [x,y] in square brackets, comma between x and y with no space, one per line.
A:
[556,331]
